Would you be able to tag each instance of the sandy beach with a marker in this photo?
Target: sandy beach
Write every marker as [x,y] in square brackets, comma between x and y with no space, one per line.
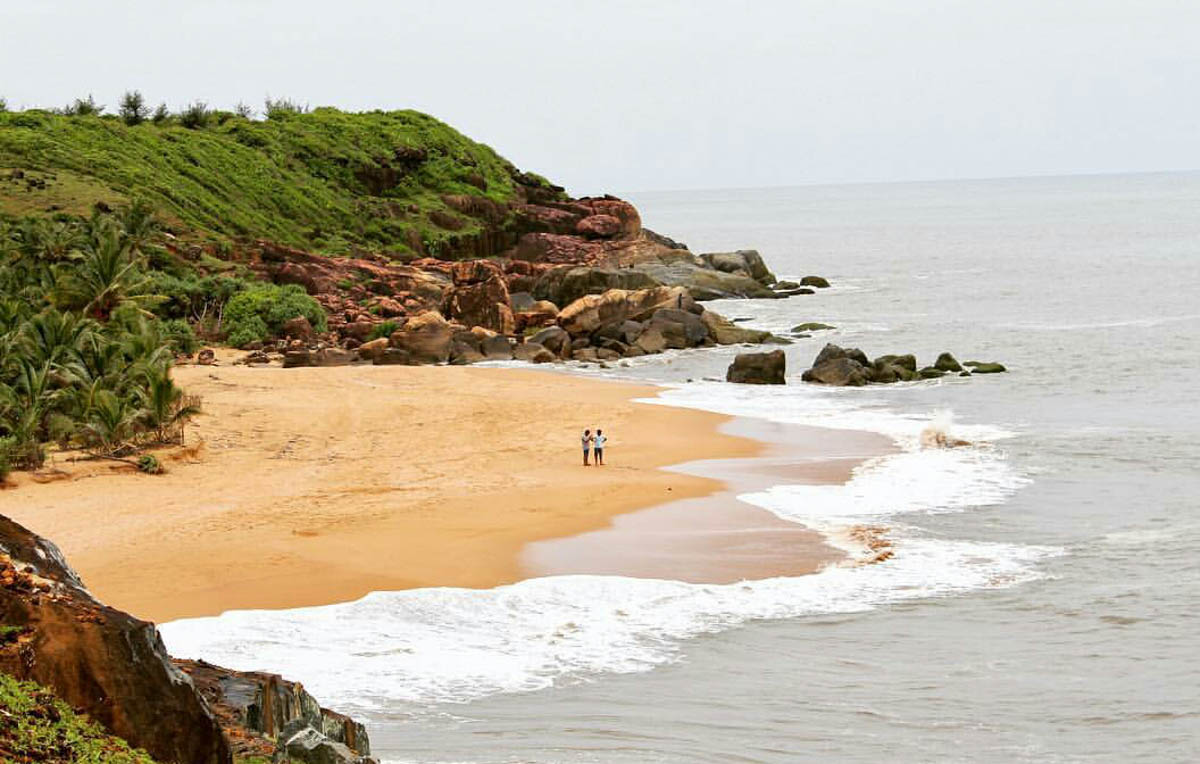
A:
[314,486]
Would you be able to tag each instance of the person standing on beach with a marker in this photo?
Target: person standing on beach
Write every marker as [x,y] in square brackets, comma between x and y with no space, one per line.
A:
[587,444]
[598,448]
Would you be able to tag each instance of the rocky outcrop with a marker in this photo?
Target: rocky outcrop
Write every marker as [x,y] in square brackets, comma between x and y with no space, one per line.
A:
[480,296]
[725,332]
[105,662]
[985,367]
[758,368]
[566,284]
[264,713]
[746,262]
[590,313]
[850,367]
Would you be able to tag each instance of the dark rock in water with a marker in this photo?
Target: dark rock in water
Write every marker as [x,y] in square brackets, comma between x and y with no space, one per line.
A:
[855,354]
[758,368]
[907,361]
[964,374]
[841,371]
[724,332]
[947,362]
[814,281]
[812,326]
[979,367]
[828,353]
[785,285]
[102,661]
[885,374]
[930,372]
[793,292]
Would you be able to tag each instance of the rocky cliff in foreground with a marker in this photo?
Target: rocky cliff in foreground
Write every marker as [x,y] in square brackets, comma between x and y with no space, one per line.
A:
[113,668]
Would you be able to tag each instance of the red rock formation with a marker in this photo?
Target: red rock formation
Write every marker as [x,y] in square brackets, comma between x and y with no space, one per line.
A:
[105,662]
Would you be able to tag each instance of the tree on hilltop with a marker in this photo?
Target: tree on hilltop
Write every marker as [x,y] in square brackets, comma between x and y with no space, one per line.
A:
[133,109]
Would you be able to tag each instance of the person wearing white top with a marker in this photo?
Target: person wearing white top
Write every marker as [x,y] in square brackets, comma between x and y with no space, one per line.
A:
[598,447]
[587,443]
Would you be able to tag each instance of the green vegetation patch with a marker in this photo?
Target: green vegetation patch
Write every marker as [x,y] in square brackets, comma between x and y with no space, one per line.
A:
[35,726]
[259,313]
[325,180]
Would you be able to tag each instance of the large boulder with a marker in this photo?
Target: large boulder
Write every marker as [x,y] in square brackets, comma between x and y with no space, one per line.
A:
[565,284]
[533,353]
[598,227]
[758,368]
[725,332]
[839,366]
[553,338]
[703,282]
[841,371]
[100,660]
[426,338]
[616,306]
[820,282]
[679,328]
[369,351]
[496,348]
[743,261]
[906,361]
[481,302]
[982,367]
[947,362]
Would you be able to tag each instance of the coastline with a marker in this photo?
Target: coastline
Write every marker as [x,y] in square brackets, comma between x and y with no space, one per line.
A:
[299,489]
[315,486]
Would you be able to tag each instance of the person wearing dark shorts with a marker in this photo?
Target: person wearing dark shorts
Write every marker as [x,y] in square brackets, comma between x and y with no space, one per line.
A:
[598,447]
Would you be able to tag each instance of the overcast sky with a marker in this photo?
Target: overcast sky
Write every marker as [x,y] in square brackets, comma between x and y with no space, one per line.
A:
[623,96]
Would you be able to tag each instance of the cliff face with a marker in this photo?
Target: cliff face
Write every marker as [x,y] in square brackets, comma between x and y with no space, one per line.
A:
[100,660]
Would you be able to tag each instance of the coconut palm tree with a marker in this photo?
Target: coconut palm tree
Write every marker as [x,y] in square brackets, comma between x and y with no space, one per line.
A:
[109,273]
[164,406]
[111,424]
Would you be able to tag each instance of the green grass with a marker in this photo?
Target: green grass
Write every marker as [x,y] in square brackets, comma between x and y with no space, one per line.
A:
[326,180]
[37,726]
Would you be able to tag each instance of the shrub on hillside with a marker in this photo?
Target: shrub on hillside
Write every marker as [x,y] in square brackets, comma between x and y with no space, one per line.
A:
[259,313]
[195,116]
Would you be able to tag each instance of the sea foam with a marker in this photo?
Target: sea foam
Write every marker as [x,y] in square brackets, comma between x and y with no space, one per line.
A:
[395,649]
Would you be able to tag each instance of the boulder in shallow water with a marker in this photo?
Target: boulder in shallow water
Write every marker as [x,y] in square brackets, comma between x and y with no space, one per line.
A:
[947,362]
[907,361]
[555,339]
[758,368]
[929,372]
[812,326]
[980,367]
[839,372]
[815,281]
[532,352]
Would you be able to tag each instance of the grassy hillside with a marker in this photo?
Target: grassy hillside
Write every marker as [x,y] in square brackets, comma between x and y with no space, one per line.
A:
[37,726]
[325,180]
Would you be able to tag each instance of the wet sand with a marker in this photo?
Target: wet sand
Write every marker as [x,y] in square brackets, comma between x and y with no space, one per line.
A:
[717,538]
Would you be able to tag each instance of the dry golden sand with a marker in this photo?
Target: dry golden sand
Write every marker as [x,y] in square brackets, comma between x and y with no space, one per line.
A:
[314,486]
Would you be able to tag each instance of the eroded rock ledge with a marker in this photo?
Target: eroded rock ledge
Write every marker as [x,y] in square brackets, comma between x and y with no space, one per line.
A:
[114,668]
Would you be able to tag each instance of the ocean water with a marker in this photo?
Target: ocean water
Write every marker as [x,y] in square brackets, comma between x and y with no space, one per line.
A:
[1043,603]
